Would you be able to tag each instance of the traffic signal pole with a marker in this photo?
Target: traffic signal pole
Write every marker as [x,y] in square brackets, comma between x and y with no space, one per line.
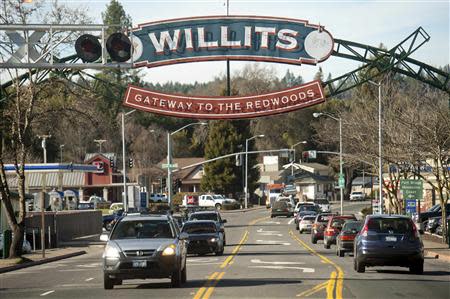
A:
[169,170]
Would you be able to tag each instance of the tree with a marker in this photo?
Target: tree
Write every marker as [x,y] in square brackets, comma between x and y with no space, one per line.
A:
[116,17]
[18,113]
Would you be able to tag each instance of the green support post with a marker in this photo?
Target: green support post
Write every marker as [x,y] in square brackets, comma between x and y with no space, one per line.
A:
[7,239]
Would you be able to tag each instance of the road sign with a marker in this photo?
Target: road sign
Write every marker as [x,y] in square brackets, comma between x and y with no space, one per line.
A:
[411,189]
[312,154]
[172,166]
[410,206]
[341,181]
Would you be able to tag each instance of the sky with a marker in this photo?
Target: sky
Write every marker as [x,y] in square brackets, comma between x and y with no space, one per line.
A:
[364,21]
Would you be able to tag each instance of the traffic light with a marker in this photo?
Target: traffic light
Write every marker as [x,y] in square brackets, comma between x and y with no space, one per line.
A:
[305,156]
[111,162]
[291,156]
[176,185]
[239,160]
[130,162]
[163,183]
[89,49]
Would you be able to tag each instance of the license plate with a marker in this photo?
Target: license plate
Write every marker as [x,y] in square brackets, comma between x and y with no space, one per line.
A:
[139,264]
[391,239]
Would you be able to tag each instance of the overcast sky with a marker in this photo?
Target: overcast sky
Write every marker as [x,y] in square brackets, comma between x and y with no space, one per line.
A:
[364,21]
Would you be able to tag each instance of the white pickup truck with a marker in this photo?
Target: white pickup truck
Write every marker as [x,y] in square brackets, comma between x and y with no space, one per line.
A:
[213,200]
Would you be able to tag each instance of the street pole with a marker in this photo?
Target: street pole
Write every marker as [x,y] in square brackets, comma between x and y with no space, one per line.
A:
[44,186]
[124,167]
[292,148]
[246,174]
[61,156]
[340,165]
[169,170]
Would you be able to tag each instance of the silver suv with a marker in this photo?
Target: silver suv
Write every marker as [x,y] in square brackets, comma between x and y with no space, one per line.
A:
[144,246]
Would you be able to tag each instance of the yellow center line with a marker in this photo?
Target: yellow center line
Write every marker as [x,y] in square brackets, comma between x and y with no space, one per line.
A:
[313,290]
[340,274]
[330,285]
[200,292]
[235,250]
[213,285]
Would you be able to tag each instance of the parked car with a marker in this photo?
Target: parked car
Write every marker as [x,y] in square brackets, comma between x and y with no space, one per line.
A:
[432,224]
[438,230]
[204,237]
[144,246]
[85,206]
[111,219]
[211,215]
[334,227]
[158,197]
[388,240]
[345,239]
[281,208]
[115,206]
[306,223]
[324,204]
[434,211]
[319,226]
[357,195]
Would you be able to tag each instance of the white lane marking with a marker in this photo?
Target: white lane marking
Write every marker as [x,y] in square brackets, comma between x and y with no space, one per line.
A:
[273,242]
[270,234]
[305,270]
[205,260]
[267,231]
[201,264]
[73,270]
[46,293]
[89,279]
[257,261]
[290,221]
[271,222]
[92,265]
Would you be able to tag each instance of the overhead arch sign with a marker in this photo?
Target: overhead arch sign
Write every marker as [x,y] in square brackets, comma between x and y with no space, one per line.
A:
[233,37]
[196,107]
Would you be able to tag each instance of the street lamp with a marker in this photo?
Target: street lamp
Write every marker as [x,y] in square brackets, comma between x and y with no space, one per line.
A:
[61,146]
[99,143]
[292,147]
[124,166]
[169,158]
[44,186]
[380,162]
[341,175]
[246,167]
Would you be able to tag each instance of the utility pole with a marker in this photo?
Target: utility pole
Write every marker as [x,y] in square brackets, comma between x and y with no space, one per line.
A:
[44,186]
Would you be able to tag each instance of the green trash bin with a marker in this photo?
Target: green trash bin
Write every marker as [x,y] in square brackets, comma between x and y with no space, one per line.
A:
[7,239]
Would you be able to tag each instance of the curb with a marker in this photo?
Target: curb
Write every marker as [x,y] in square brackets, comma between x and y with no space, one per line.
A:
[40,262]
[437,255]
[241,211]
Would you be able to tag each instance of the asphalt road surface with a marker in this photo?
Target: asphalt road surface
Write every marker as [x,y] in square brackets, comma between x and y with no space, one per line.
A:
[264,258]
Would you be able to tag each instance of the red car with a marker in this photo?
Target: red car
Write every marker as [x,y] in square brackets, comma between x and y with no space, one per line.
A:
[333,229]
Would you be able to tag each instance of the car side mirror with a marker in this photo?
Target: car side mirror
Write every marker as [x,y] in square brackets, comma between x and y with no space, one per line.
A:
[183,236]
[104,237]
[224,221]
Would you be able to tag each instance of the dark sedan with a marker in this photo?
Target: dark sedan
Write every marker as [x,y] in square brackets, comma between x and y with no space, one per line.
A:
[204,237]
[319,226]
[281,208]
[388,240]
[345,239]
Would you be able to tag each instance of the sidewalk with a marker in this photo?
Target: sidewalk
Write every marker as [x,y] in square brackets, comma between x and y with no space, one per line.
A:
[434,248]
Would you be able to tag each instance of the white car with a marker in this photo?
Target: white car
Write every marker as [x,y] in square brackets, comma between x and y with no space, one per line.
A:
[324,204]
[306,223]
[357,195]
[300,204]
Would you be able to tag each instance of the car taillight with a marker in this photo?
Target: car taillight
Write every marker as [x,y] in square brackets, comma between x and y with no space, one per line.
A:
[365,231]
[329,232]
[415,231]
[347,238]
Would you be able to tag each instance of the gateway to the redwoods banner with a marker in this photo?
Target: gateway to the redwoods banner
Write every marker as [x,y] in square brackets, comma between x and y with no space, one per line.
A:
[224,107]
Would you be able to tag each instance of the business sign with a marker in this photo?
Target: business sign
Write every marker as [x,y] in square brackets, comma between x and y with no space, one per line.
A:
[233,37]
[197,107]
[411,189]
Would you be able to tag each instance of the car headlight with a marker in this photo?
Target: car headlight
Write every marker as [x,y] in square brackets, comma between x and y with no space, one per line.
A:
[169,250]
[111,252]
[213,240]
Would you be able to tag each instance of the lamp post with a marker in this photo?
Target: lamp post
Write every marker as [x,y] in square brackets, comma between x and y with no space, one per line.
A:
[246,167]
[341,175]
[61,146]
[380,162]
[124,165]
[169,159]
[44,183]
[292,147]
[99,143]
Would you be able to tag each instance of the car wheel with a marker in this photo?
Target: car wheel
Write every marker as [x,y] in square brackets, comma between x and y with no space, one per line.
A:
[360,267]
[184,274]
[220,252]
[175,279]
[271,216]
[224,241]
[326,245]
[296,227]
[301,231]
[218,206]
[108,283]
[118,282]
[416,268]
[341,253]
[314,240]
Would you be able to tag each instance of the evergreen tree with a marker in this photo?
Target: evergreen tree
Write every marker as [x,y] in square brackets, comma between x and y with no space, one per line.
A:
[116,17]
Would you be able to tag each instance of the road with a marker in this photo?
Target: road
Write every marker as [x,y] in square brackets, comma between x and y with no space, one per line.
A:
[264,258]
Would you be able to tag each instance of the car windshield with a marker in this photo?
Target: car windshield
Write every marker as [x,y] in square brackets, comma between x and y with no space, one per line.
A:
[389,225]
[309,218]
[204,216]
[308,208]
[357,193]
[200,228]
[217,196]
[338,222]
[352,226]
[321,201]
[280,205]
[323,218]
[142,229]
